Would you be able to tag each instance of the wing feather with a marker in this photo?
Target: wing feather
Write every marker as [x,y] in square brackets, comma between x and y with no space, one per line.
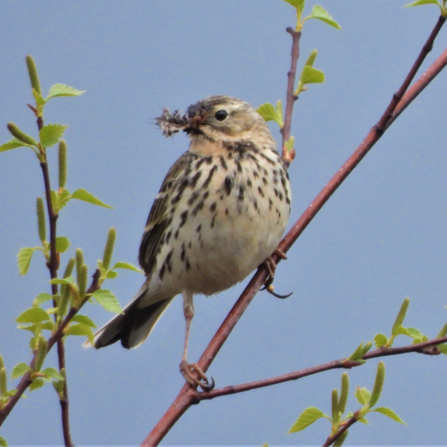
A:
[159,219]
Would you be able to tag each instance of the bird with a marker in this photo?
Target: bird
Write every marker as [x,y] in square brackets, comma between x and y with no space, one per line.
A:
[220,213]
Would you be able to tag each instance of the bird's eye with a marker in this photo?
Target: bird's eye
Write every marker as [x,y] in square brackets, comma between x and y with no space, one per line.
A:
[221,115]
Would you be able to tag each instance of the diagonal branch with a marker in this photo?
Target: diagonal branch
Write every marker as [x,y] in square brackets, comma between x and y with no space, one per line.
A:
[187,395]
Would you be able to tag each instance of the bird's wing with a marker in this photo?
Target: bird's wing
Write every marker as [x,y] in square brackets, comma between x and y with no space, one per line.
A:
[159,219]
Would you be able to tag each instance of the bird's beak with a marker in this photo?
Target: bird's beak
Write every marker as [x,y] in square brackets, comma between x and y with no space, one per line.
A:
[195,117]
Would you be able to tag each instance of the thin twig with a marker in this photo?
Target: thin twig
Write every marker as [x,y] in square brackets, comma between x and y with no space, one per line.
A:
[336,364]
[187,395]
[26,381]
[346,425]
[53,266]
[290,95]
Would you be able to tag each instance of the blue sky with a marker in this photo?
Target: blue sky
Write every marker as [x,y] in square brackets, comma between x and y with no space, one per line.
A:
[378,240]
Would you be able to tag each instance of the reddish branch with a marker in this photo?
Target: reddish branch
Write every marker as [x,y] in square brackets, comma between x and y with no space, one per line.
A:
[53,266]
[187,395]
[336,364]
[26,381]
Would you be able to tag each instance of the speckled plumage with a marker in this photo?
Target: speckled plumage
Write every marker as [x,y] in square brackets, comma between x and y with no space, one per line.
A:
[221,211]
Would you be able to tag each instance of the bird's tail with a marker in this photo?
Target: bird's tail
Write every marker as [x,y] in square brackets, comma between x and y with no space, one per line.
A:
[132,326]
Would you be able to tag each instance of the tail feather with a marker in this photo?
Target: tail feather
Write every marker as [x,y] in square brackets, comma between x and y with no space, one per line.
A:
[131,327]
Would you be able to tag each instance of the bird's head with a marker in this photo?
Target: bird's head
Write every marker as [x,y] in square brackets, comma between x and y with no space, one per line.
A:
[222,118]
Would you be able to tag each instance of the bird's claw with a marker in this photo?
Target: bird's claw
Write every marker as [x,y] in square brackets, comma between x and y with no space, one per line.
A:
[270,264]
[194,375]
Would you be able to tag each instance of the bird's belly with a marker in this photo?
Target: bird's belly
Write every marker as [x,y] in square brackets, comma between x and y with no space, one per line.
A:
[223,234]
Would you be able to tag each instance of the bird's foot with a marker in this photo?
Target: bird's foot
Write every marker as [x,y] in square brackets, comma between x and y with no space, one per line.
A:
[270,264]
[194,375]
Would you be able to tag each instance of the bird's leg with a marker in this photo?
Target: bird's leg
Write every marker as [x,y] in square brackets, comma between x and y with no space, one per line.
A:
[192,373]
[270,264]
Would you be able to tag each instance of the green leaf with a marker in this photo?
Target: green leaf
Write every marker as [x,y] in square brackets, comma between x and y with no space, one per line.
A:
[3,442]
[298,4]
[81,329]
[414,333]
[12,144]
[380,340]
[443,348]
[362,395]
[51,133]
[107,300]
[52,373]
[400,330]
[62,244]
[269,113]
[59,200]
[63,90]
[389,413]
[311,75]
[363,421]
[127,266]
[33,315]
[37,327]
[306,418]
[84,320]
[24,258]
[42,298]
[318,12]
[422,2]
[111,274]
[82,194]
[19,370]
[37,383]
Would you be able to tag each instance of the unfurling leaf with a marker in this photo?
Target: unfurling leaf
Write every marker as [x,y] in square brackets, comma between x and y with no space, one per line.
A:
[63,90]
[12,144]
[306,418]
[422,2]
[298,4]
[33,315]
[127,266]
[380,340]
[24,258]
[19,370]
[107,300]
[390,413]
[311,75]
[52,373]
[51,133]
[37,383]
[41,298]
[84,320]
[62,244]
[82,194]
[81,329]
[318,12]
[362,395]
[269,113]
